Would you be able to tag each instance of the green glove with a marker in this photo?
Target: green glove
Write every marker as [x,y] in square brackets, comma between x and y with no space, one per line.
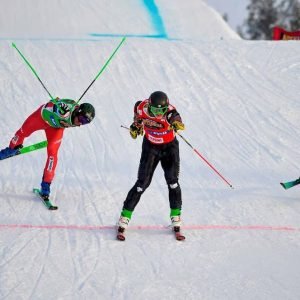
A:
[177,125]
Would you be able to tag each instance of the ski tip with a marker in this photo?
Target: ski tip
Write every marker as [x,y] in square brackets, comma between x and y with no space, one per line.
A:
[120,234]
[282,184]
[121,237]
[53,207]
[180,238]
[47,202]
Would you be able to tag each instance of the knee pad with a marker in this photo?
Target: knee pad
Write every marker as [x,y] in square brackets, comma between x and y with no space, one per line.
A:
[173,186]
[139,189]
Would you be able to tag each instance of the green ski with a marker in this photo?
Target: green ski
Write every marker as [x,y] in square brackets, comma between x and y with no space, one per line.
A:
[34,147]
[47,202]
[289,184]
[30,148]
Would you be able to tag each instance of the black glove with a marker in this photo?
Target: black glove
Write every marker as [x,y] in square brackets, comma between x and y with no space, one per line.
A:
[135,130]
[63,108]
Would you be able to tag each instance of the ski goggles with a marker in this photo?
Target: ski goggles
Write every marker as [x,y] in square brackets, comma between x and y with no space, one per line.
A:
[83,119]
[157,111]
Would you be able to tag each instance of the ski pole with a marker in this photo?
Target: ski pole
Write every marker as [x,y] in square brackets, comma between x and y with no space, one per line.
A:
[125,127]
[205,160]
[209,164]
[102,69]
[33,70]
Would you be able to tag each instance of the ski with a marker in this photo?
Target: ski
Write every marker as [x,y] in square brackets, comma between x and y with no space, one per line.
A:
[33,147]
[121,234]
[47,202]
[178,235]
[289,184]
[30,148]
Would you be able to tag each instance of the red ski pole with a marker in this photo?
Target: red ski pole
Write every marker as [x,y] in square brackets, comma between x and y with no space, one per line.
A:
[201,156]
[205,160]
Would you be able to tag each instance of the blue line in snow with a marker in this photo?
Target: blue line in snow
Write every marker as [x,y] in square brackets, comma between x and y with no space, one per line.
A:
[153,36]
[156,18]
[94,38]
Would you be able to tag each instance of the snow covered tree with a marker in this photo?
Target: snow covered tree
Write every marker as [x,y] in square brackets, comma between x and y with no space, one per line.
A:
[289,15]
[260,21]
[265,14]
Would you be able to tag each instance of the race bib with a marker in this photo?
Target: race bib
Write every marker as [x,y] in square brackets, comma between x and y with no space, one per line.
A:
[155,140]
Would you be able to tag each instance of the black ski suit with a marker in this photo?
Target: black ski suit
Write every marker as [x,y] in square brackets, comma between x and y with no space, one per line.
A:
[167,153]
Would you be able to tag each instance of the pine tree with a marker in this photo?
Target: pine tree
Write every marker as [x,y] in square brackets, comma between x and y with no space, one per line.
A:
[261,19]
[289,15]
[295,22]
[265,14]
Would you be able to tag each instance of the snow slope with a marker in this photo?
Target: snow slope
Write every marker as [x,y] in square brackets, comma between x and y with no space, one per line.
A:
[240,104]
[236,10]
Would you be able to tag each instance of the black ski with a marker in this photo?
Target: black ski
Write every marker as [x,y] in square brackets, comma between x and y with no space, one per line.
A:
[121,234]
[178,235]
[47,202]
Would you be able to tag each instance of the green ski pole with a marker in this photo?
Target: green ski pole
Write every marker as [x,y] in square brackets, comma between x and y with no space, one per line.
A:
[103,68]
[33,70]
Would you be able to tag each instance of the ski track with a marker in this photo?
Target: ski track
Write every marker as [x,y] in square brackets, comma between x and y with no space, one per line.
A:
[41,271]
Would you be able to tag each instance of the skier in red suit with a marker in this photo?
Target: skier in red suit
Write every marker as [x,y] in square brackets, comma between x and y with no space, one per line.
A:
[52,117]
[159,120]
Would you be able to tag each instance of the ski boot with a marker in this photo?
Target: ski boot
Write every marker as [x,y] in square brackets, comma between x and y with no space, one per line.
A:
[45,190]
[176,223]
[122,225]
[9,152]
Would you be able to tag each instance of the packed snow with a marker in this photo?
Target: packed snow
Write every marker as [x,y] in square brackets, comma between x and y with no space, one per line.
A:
[240,103]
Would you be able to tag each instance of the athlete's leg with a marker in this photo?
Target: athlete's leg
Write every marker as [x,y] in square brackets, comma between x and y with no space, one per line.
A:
[54,138]
[148,163]
[33,123]
[170,162]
